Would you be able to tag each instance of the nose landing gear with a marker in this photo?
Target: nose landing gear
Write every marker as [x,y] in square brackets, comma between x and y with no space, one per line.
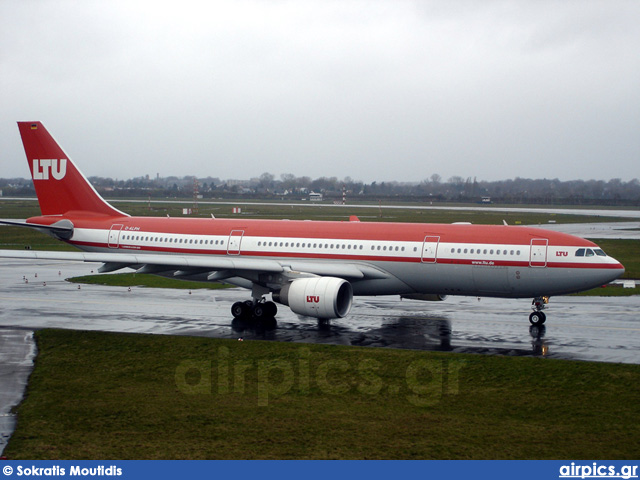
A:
[537,317]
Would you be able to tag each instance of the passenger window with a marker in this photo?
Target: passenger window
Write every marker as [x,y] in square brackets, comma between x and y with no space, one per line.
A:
[580,252]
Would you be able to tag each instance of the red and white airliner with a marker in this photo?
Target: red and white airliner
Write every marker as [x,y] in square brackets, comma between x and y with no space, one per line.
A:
[313,267]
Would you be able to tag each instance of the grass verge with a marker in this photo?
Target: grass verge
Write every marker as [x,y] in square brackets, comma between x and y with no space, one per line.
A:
[610,291]
[106,396]
[627,252]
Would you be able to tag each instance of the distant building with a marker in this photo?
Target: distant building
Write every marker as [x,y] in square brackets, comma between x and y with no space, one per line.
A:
[315,197]
[486,200]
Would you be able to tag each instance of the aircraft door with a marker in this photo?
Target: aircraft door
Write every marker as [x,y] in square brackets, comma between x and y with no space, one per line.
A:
[538,255]
[430,249]
[114,236]
[235,239]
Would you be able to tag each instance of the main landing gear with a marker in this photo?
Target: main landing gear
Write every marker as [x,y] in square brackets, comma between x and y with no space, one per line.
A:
[537,317]
[250,309]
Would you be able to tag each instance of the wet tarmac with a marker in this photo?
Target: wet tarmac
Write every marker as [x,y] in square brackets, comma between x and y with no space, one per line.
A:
[17,350]
[582,328]
[35,295]
[611,230]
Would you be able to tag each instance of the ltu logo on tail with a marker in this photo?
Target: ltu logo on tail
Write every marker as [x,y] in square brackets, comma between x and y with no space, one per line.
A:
[41,168]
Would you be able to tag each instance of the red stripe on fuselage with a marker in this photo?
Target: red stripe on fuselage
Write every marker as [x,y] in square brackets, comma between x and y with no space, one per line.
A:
[398,232]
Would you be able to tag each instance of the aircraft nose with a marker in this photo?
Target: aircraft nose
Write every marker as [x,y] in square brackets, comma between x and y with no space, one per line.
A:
[617,269]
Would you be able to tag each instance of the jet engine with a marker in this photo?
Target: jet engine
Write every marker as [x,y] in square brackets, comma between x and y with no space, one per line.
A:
[319,297]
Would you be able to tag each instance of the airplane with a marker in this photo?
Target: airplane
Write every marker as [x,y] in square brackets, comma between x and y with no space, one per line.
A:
[313,267]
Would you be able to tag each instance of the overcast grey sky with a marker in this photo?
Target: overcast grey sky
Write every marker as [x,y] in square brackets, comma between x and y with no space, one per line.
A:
[374,90]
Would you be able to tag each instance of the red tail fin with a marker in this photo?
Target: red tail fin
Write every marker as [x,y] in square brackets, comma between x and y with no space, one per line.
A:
[60,186]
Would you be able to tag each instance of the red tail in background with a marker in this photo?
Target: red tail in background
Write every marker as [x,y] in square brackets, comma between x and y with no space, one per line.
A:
[61,188]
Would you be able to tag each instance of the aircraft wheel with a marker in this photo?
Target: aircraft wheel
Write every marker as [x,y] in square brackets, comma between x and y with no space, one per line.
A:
[537,318]
[265,310]
[240,310]
[271,308]
[259,311]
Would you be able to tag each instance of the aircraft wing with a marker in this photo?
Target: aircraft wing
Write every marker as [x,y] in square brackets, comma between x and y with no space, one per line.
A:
[151,263]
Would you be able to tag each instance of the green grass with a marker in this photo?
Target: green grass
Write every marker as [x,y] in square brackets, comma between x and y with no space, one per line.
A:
[373,213]
[610,291]
[25,209]
[626,252]
[107,396]
[145,280]
[20,238]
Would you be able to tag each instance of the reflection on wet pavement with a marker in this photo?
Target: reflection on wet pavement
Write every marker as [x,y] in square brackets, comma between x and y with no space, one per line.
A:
[584,328]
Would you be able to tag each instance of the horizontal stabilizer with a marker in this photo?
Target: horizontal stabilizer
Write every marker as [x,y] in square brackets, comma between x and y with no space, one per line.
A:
[62,229]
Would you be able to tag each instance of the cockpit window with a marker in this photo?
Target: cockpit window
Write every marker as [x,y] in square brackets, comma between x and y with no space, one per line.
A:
[580,252]
[590,253]
[600,252]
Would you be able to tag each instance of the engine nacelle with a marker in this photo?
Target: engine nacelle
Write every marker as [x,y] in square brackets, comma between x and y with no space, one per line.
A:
[319,297]
[425,297]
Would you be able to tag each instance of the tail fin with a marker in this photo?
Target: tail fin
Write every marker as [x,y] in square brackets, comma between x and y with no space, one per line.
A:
[61,188]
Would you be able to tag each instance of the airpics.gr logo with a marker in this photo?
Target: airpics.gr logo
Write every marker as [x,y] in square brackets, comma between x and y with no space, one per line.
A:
[42,168]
